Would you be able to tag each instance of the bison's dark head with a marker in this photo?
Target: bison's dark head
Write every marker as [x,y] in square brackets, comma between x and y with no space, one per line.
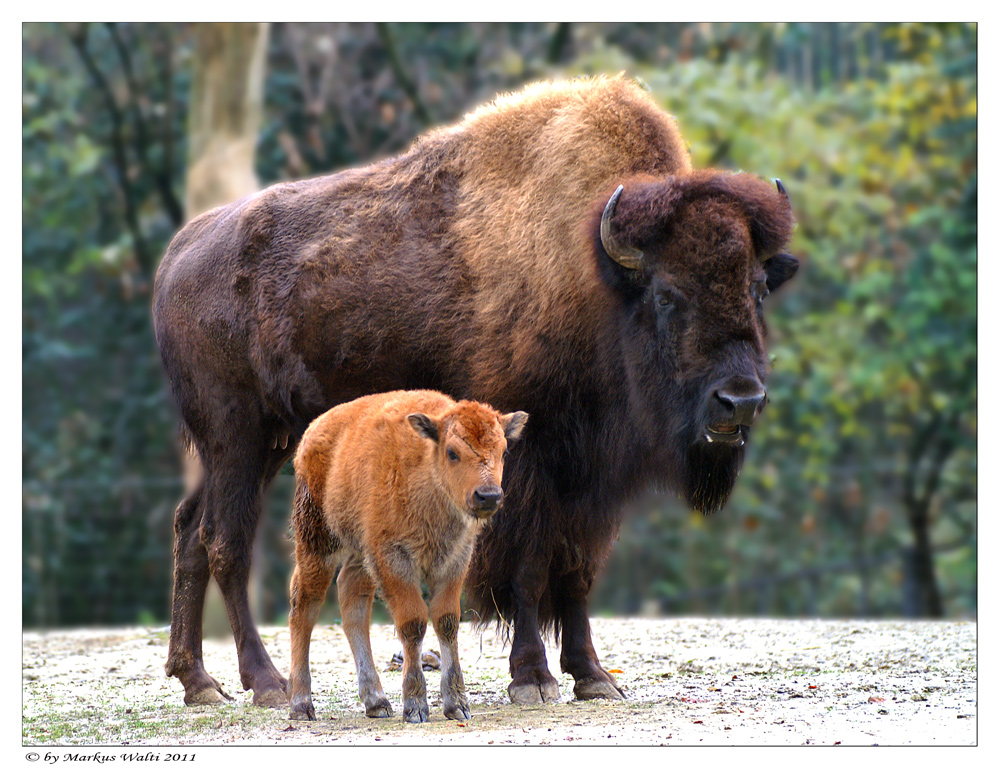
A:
[692,259]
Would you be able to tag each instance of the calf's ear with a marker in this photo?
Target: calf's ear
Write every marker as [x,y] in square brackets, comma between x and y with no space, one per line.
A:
[424,426]
[779,269]
[513,425]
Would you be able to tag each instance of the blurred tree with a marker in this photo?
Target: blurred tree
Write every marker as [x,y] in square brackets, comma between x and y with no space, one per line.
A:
[101,141]
[868,447]
[227,95]
[873,395]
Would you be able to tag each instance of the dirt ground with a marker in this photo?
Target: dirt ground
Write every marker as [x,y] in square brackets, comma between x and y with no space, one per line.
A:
[688,682]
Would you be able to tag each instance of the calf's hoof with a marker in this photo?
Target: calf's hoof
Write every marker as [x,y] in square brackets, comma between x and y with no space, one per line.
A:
[534,693]
[302,710]
[379,708]
[458,711]
[597,689]
[416,712]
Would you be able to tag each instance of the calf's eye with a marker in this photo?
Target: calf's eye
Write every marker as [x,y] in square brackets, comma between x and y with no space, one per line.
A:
[452,455]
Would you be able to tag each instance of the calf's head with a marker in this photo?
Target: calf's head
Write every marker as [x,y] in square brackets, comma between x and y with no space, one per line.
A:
[471,442]
[692,259]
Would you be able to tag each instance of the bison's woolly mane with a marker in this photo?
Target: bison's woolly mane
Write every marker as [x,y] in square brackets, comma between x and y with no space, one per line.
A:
[650,204]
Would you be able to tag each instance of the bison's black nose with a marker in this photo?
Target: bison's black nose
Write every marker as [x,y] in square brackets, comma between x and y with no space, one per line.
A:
[743,407]
[486,499]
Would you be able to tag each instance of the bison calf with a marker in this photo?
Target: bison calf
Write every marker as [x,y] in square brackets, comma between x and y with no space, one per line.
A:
[394,488]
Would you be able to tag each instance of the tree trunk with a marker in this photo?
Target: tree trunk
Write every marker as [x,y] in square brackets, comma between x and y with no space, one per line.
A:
[925,597]
[227,94]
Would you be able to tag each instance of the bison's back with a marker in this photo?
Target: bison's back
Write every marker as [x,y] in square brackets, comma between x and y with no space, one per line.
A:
[361,449]
[465,265]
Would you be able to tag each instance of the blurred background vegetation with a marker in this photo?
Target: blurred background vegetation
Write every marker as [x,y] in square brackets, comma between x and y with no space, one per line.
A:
[859,496]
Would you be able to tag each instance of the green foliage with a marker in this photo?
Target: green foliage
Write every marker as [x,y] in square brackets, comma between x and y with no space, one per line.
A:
[873,393]
[874,385]
[97,423]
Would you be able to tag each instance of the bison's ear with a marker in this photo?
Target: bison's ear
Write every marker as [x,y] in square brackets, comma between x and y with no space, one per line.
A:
[424,426]
[779,269]
[513,425]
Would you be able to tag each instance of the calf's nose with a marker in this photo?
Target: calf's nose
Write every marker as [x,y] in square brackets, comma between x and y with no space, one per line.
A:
[485,499]
[742,407]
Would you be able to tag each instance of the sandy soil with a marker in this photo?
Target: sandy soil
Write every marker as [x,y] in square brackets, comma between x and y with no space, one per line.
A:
[688,682]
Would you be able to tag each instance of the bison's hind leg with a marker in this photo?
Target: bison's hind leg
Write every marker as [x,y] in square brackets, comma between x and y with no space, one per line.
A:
[310,581]
[191,575]
[233,488]
[355,593]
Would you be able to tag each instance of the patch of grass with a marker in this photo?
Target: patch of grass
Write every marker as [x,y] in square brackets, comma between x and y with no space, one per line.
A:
[43,731]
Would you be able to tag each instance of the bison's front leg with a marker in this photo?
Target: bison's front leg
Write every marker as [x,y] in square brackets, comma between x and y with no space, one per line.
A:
[409,612]
[445,612]
[578,657]
[532,682]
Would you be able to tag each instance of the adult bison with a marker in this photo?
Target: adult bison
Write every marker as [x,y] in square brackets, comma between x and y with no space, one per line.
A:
[554,253]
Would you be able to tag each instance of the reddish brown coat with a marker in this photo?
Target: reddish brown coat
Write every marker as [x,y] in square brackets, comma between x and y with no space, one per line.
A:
[394,487]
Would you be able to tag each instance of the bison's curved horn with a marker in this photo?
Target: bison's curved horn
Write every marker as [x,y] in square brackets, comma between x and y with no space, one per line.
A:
[781,187]
[625,255]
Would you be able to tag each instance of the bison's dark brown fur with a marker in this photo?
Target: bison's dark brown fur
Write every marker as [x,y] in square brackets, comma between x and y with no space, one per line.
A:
[490,262]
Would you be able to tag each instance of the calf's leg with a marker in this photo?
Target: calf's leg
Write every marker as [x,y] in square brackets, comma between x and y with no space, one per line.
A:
[409,612]
[355,592]
[445,612]
[310,581]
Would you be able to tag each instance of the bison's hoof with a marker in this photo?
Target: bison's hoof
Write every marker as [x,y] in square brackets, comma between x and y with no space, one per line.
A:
[270,698]
[534,693]
[597,689]
[458,711]
[209,696]
[302,711]
[416,712]
[379,709]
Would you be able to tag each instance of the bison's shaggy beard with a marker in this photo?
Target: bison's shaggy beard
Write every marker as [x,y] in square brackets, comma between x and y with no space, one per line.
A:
[710,475]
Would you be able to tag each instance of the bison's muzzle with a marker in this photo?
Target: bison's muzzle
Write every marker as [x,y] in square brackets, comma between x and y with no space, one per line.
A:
[734,407]
[485,501]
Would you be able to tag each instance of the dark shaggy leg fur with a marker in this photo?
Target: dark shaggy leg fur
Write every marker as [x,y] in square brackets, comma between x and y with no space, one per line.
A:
[532,682]
[578,657]
[191,575]
[214,534]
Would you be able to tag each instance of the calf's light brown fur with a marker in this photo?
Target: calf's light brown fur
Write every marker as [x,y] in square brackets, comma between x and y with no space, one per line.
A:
[393,488]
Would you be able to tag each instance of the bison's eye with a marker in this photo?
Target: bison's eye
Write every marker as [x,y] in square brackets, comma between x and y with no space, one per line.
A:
[664,301]
[759,291]
[452,455]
